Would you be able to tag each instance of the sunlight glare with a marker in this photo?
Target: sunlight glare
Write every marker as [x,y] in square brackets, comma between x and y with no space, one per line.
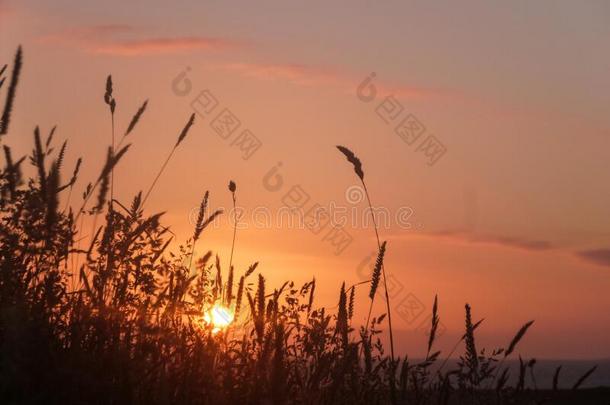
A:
[219,317]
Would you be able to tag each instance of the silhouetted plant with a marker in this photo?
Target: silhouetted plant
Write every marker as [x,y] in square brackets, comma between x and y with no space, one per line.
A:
[136,325]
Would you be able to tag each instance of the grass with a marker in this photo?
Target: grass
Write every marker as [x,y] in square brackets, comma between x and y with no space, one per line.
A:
[135,326]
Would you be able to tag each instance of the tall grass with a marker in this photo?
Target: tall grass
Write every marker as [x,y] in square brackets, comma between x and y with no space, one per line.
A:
[181,137]
[353,159]
[135,327]
[5,119]
[232,189]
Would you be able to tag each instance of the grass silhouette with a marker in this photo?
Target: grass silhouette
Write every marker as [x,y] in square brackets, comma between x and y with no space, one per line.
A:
[137,325]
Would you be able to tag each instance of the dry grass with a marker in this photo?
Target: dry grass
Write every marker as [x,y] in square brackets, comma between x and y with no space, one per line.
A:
[132,329]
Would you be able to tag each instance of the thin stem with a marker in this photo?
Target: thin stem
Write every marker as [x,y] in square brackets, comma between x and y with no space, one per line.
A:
[234,233]
[500,364]
[382,271]
[110,222]
[68,199]
[450,354]
[192,254]
[158,175]
[86,200]
[121,142]
[77,255]
[368,318]
[112,170]
[387,297]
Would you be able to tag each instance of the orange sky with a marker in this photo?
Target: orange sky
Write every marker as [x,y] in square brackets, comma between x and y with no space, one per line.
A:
[512,218]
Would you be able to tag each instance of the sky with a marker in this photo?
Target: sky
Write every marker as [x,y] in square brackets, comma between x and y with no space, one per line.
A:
[483,132]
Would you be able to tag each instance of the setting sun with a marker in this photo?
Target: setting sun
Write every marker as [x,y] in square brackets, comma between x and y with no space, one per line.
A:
[219,317]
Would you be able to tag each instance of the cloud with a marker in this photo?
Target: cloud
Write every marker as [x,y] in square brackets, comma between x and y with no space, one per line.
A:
[600,257]
[308,76]
[518,243]
[162,45]
[111,39]
[496,240]
[298,74]
[118,40]
[79,34]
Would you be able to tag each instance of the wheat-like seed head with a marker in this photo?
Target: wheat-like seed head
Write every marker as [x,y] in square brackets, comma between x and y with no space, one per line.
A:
[12,91]
[136,118]
[377,271]
[517,338]
[185,130]
[351,157]
[251,269]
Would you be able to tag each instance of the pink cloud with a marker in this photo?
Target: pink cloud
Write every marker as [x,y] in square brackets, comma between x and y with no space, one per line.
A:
[82,34]
[162,45]
[599,257]
[110,39]
[114,39]
[296,73]
[304,75]
[519,243]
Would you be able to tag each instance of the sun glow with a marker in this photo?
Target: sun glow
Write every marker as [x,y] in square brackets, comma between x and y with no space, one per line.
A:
[220,317]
